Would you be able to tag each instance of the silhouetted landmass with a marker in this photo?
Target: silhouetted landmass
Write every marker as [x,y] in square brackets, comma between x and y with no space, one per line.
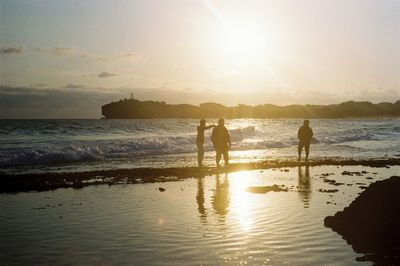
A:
[132,108]
[370,224]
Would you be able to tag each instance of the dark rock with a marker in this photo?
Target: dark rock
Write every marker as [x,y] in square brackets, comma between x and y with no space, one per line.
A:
[333,182]
[161,189]
[265,189]
[370,224]
[353,173]
[327,190]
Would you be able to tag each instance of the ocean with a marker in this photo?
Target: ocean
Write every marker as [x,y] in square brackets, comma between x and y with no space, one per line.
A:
[37,146]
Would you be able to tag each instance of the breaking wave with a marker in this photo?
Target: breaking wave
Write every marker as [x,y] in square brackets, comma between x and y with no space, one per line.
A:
[62,142]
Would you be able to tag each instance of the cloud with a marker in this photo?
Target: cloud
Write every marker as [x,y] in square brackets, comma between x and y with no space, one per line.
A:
[11,50]
[73,86]
[82,102]
[32,102]
[105,74]
[127,56]
[56,50]
[110,58]
[82,55]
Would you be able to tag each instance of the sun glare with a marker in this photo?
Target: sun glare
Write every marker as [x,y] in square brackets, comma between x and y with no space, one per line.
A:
[241,200]
[242,42]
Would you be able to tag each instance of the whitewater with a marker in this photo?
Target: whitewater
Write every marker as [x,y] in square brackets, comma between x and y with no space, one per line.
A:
[36,146]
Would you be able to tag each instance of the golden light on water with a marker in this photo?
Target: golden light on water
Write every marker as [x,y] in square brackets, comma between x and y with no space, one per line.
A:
[241,200]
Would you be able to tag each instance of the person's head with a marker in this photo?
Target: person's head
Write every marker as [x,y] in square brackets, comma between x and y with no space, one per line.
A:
[221,122]
[202,122]
[306,123]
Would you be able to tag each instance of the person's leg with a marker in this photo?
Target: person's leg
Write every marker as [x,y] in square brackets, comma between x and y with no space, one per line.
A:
[307,147]
[300,148]
[218,157]
[226,157]
[200,154]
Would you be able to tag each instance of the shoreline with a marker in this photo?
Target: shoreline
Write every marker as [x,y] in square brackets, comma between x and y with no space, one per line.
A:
[77,180]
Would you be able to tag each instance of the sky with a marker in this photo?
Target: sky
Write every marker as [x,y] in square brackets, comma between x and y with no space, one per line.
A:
[65,59]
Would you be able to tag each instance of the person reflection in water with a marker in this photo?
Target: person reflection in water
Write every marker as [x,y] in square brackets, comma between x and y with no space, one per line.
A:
[201,200]
[220,199]
[200,141]
[304,135]
[221,141]
[304,186]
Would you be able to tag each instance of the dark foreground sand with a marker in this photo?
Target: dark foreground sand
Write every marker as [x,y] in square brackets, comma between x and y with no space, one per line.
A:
[51,181]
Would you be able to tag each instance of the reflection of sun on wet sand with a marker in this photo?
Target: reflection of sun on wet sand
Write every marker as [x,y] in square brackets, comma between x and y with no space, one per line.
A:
[209,219]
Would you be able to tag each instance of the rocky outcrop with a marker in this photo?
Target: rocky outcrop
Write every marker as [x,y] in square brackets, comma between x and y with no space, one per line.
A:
[371,223]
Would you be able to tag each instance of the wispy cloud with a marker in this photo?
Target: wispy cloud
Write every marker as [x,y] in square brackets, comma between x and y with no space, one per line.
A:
[11,50]
[127,56]
[73,86]
[82,55]
[105,74]
[56,50]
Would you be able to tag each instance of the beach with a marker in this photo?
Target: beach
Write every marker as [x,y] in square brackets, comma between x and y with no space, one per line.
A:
[130,192]
[51,181]
[204,219]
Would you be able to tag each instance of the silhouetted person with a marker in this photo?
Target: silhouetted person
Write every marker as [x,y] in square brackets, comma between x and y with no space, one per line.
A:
[200,141]
[222,142]
[304,135]
[304,186]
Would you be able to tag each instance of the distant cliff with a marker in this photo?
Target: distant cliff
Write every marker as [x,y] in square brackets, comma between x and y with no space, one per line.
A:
[132,108]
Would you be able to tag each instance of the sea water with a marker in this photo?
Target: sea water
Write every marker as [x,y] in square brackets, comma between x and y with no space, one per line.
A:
[28,146]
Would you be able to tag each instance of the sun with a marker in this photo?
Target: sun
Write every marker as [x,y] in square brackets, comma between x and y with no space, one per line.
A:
[243,42]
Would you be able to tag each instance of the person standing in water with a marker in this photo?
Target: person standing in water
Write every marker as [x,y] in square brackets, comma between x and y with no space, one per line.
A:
[222,142]
[200,140]
[305,135]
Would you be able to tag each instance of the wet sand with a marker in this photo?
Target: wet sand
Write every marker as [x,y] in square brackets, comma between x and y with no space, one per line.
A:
[209,220]
[52,181]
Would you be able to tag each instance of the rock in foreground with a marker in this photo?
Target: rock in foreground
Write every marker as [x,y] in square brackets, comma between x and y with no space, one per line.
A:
[266,189]
[371,223]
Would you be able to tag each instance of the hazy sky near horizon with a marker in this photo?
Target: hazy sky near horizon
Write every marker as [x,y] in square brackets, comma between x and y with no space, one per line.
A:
[67,58]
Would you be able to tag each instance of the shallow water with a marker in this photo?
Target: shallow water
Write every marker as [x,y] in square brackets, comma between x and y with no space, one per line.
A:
[203,220]
[28,146]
